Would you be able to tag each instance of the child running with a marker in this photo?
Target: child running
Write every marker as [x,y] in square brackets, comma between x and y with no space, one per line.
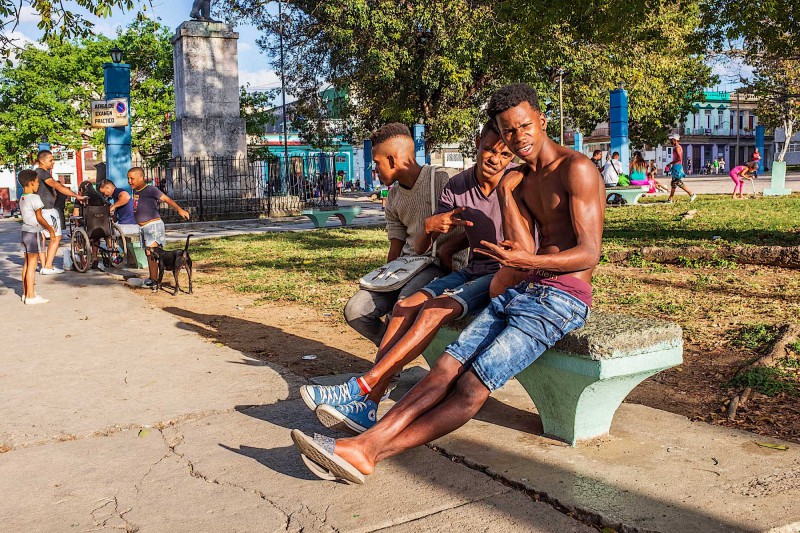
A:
[30,206]
[739,174]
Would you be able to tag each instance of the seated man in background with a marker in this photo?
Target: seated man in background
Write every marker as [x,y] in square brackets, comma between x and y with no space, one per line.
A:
[121,208]
[469,200]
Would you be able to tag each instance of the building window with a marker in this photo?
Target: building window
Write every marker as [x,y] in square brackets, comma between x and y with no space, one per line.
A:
[794,147]
[453,157]
[65,179]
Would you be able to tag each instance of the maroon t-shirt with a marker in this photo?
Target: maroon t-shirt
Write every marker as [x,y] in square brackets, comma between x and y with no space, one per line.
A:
[463,190]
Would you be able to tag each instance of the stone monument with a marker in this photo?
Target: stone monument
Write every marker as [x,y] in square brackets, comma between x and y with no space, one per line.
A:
[208,122]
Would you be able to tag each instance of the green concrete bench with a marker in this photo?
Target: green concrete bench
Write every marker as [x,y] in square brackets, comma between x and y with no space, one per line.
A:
[579,383]
[321,215]
[631,194]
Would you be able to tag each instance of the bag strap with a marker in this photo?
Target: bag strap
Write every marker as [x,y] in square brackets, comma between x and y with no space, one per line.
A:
[433,204]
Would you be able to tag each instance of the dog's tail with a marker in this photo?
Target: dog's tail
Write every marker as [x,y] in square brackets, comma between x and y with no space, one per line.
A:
[186,248]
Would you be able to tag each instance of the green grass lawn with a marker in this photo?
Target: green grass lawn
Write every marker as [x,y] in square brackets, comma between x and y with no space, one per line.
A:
[320,268]
[763,221]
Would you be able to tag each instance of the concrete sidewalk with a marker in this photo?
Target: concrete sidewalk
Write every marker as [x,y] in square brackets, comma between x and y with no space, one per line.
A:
[118,416]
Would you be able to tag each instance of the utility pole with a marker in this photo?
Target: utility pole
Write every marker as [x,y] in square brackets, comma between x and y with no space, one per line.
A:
[737,123]
[283,99]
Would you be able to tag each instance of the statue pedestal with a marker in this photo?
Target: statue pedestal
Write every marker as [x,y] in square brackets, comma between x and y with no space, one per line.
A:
[208,122]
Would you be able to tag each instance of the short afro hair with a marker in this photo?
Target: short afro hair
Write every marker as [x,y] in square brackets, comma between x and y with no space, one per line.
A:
[511,96]
[389,131]
[489,127]
[26,177]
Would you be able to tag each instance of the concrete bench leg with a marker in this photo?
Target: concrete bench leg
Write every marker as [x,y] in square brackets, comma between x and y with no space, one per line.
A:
[319,222]
[577,400]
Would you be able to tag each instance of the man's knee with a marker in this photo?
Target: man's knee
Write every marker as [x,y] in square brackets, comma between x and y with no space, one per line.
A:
[439,309]
[411,305]
[472,391]
[360,306]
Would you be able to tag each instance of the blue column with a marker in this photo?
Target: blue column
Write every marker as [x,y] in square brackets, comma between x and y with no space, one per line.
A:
[367,165]
[419,143]
[44,145]
[578,140]
[117,80]
[619,126]
[760,146]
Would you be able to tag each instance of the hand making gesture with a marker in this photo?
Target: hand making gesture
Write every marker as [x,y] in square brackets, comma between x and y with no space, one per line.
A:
[508,253]
[444,222]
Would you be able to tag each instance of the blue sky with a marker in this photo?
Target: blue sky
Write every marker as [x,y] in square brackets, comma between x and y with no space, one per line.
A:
[253,65]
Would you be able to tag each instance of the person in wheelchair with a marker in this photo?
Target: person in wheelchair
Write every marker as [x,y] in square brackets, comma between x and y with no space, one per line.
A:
[94,215]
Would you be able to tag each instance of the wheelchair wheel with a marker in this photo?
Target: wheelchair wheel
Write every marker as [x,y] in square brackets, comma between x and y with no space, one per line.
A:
[119,248]
[81,250]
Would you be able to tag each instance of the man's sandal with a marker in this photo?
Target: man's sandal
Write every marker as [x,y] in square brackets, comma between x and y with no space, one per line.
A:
[327,465]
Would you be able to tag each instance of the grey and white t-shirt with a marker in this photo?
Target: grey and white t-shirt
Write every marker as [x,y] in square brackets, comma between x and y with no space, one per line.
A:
[28,205]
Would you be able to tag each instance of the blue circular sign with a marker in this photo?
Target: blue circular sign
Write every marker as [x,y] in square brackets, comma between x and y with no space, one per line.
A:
[121,107]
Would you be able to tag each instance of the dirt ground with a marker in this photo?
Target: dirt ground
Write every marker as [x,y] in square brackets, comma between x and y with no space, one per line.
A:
[283,333]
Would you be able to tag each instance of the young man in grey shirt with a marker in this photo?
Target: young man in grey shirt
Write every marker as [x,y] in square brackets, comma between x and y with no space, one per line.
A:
[468,200]
[407,207]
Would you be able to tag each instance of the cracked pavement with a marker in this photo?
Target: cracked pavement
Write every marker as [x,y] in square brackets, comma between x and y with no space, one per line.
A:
[117,417]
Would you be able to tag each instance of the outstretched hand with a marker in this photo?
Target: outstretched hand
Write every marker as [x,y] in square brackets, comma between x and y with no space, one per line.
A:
[507,253]
[444,222]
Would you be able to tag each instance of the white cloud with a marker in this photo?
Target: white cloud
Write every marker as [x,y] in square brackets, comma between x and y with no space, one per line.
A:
[245,46]
[259,80]
[28,14]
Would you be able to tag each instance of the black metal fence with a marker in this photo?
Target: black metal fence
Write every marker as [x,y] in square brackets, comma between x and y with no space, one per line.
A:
[238,188]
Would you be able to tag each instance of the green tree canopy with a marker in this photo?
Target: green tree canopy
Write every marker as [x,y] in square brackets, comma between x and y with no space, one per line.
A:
[49,89]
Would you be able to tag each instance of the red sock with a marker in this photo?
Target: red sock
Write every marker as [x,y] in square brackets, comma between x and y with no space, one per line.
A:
[362,384]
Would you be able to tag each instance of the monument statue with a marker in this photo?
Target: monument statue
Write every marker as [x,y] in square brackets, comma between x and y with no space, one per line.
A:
[201,10]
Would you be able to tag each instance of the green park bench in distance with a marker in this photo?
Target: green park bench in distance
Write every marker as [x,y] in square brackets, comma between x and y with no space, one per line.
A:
[578,384]
[320,215]
[630,194]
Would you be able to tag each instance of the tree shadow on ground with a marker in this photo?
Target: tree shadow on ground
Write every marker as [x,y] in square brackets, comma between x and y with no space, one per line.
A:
[276,346]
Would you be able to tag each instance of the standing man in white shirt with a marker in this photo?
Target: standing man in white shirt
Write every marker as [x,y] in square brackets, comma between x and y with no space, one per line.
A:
[612,170]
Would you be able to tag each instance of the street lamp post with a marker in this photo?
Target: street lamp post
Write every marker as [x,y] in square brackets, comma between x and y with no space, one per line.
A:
[117,84]
[561,103]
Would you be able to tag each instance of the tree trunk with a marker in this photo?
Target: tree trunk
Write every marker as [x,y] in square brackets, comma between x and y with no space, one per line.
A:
[788,128]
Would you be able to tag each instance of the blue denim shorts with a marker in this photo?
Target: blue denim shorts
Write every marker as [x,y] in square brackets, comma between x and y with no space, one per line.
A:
[153,233]
[471,292]
[516,328]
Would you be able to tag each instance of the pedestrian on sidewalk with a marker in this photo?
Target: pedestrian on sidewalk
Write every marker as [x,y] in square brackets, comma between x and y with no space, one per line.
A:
[675,169]
[756,158]
[145,210]
[33,223]
[48,187]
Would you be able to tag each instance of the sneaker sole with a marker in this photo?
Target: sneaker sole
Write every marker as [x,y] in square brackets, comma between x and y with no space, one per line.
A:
[333,419]
[309,401]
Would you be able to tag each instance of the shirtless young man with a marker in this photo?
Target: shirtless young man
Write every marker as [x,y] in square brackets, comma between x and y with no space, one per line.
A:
[558,189]
[676,169]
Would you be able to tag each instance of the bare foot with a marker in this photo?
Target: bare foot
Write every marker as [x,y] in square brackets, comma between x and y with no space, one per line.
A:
[354,454]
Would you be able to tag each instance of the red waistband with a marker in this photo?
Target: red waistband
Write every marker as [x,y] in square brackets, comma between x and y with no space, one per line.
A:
[570,284]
